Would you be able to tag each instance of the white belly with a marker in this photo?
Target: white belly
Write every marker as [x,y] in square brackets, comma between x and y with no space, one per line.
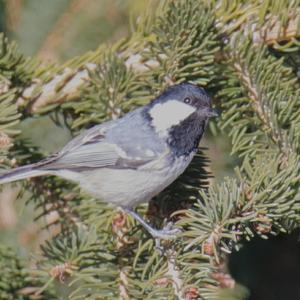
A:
[126,187]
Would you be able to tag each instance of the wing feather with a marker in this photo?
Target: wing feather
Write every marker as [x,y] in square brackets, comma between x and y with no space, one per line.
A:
[96,155]
[92,150]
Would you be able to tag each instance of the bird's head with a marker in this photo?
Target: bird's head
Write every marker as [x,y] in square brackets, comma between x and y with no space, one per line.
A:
[177,104]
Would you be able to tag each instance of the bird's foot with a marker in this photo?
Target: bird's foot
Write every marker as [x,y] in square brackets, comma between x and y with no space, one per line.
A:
[167,233]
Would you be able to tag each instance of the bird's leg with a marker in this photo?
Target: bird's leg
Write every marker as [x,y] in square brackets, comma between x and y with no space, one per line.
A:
[166,233]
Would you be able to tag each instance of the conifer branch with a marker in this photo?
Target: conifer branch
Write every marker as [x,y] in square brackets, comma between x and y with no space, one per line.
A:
[56,35]
[268,22]
[174,273]
[274,32]
[256,95]
[259,96]
[13,11]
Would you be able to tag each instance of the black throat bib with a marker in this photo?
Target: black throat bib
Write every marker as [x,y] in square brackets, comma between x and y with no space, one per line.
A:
[185,137]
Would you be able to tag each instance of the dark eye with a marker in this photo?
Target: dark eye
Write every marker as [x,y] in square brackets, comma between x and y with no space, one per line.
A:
[187,100]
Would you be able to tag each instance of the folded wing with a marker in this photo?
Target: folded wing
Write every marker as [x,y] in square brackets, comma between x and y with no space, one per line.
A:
[92,150]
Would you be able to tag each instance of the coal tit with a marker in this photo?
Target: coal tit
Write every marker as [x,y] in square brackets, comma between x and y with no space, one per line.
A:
[130,160]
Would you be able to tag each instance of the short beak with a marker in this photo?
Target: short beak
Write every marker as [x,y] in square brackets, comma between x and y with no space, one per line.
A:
[212,113]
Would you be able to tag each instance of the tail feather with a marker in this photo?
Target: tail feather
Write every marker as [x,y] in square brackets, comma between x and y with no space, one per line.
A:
[20,173]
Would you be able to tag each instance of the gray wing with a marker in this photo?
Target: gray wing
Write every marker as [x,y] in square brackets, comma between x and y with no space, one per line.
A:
[93,150]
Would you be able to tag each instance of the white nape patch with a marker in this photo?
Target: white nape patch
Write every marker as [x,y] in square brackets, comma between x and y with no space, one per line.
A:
[165,115]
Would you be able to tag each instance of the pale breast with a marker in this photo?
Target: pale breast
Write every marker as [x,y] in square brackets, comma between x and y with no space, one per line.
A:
[127,187]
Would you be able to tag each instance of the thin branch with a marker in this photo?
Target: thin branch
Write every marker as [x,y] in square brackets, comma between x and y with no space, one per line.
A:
[173,272]
[13,13]
[123,285]
[67,85]
[263,112]
[48,50]
[246,19]
[63,87]
[274,32]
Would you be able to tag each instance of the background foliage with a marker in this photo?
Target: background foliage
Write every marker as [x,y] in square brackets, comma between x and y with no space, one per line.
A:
[90,61]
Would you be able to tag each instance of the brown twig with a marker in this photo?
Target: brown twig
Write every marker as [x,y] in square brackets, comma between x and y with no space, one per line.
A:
[274,31]
[13,10]
[48,50]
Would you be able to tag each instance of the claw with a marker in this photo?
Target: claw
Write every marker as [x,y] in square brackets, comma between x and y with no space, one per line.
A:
[167,233]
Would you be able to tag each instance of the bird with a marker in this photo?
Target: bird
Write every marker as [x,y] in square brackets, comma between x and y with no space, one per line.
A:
[128,161]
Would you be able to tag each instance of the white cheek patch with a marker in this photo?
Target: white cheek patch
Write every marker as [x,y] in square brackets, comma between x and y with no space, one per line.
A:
[165,115]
